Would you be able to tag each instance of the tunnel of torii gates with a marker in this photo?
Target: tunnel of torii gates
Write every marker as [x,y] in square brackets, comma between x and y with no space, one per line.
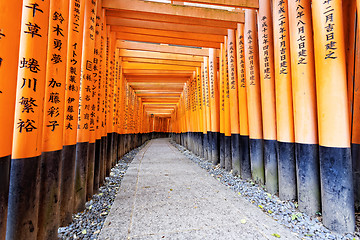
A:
[267,89]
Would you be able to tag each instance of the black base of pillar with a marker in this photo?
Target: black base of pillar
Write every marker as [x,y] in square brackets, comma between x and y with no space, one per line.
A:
[103,160]
[222,150]
[206,146]
[4,193]
[97,165]
[308,177]
[215,148]
[235,154]
[81,168]
[90,172]
[245,165]
[271,166]
[49,207]
[201,146]
[257,160]
[23,205]
[287,171]
[228,161]
[337,193]
[67,184]
[355,154]
[108,154]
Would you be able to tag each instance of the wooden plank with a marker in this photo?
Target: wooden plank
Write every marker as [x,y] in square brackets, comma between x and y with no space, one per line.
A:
[171,19]
[163,56]
[160,61]
[170,34]
[177,10]
[150,66]
[166,40]
[162,48]
[165,26]
[229,3]
[157,80]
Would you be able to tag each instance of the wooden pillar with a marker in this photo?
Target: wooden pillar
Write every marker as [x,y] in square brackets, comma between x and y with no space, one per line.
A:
[53,128]
[333,117]
[203,89]
[97,84]
[284,106]
[305,112]
[207,107]
[215,106]
[227,113]
[10,23]
[84,149]
[354,103]
[28,122]
[71,108]
[267,80]
[222,103]
[234,102]
[253,97]
[245,171]
[200,111]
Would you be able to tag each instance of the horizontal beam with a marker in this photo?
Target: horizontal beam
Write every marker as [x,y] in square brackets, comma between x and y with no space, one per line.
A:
[170,9]
[171,19]
[150,66]
[114,21]
[166,40]
[229,3]
[160,61]
[162,48]
[170,34]
[158,80]
[163,56]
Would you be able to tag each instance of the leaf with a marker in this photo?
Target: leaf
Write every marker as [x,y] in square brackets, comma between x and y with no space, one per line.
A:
[83,231]
[171,189]
[90,207]
[276,235]
[269,211]
[100,194]
[97,231]
[243,221]
[269,195]
[239,193]
[260,206]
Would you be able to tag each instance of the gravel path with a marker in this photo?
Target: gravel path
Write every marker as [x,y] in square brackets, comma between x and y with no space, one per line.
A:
[88,224]
[285,212]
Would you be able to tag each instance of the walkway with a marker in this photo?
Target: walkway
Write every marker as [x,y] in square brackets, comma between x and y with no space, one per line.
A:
[166,196]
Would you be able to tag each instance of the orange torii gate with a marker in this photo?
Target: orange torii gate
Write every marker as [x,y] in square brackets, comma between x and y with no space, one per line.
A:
[267,89]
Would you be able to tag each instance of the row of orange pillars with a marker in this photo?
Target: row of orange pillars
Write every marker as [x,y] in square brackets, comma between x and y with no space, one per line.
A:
[281,106]
[66,114]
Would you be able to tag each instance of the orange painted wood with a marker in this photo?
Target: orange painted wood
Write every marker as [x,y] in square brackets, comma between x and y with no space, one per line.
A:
[165,40]
[114,21]
[169,19]
[161,48]
[10,23]
[177,10]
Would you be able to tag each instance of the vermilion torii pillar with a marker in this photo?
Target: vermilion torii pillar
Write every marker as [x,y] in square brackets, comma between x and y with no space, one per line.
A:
[53,128]
[304,105]
[337,194]
[234,102]
[24,201]
[71,108]
[10,22]
[245,171]
[284,106]
[267,79]
[253,96]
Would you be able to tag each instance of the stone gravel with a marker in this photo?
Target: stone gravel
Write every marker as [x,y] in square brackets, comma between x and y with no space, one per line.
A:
[285,212]
[88,224]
